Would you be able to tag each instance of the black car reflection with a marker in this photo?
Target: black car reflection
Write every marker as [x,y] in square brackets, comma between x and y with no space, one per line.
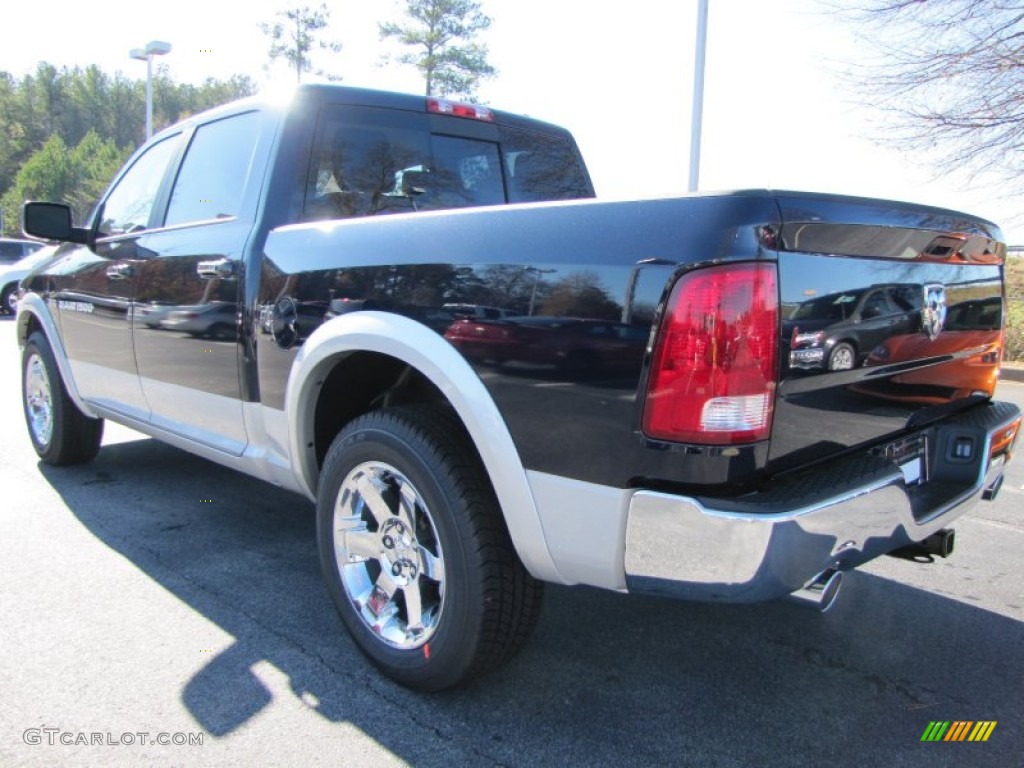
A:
[965,357]
[838,331]
[574,346]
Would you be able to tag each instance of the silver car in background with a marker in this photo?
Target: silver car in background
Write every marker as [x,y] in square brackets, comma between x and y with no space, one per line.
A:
[12,274]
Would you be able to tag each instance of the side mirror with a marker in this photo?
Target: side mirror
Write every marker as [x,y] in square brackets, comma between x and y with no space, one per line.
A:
[50,221]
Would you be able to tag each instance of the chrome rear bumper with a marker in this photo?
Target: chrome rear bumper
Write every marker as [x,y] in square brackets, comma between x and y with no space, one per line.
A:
[841,515]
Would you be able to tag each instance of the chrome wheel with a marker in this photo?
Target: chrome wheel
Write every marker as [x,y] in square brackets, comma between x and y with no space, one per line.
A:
[389,555]
[415,552]
[842,358]
[38,401]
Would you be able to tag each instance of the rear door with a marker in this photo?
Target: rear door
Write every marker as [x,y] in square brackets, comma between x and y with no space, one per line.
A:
[186,329]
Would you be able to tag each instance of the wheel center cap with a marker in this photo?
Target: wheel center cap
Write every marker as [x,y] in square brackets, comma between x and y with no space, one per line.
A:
[404,571]
[400,556]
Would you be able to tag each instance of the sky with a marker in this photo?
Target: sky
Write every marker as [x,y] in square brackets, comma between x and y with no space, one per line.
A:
[777,113]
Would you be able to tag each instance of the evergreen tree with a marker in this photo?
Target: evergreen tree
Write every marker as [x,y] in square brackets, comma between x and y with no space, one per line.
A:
[76,176]
[441,38]
[97,118]
[295,36]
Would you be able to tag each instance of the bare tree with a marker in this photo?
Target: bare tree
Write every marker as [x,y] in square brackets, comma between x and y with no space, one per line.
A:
[294,37]
[951,75]
[440,36]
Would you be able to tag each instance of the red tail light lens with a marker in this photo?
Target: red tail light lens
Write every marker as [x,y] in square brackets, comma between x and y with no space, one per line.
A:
[715,362]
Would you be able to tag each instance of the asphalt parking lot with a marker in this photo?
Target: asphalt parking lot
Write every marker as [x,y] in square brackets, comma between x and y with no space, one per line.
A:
[153,596]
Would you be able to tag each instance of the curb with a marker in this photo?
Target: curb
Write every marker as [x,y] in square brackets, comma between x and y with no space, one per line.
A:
[1011,374]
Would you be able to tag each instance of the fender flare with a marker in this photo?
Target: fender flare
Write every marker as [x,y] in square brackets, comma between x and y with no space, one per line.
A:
[32,304]
[426,351]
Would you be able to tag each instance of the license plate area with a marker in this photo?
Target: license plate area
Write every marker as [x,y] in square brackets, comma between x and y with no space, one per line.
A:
[910,454]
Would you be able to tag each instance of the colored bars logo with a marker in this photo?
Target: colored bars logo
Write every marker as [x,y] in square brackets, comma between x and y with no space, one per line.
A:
[959,730]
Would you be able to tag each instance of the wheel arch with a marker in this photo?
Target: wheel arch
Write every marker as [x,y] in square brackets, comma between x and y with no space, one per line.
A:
[835,342]
[386,349]
[34,315]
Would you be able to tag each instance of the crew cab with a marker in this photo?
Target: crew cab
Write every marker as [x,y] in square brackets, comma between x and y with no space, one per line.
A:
[276,287]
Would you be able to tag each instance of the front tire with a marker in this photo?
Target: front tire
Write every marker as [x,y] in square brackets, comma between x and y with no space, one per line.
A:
[60,433]
[415,552]
[842,357]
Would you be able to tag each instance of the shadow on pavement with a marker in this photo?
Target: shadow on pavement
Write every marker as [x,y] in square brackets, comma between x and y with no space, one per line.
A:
[607,679]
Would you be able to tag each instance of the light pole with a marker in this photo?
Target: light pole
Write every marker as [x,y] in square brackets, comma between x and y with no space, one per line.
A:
[537,274]
[153,48]
[697,114]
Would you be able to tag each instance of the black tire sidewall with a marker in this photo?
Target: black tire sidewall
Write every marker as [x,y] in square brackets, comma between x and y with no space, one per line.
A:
[5,294]
[452,646]
[74,438]
[38,344]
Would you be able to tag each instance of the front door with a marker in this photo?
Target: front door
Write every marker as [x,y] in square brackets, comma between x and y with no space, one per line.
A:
[94,287]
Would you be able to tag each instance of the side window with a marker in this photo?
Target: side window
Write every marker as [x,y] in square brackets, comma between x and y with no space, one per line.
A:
[130,203]
[906,297]
[214,173]
[10,252]
[876,305]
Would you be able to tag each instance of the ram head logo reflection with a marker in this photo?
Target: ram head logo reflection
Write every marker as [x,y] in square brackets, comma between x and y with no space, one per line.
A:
[933,316]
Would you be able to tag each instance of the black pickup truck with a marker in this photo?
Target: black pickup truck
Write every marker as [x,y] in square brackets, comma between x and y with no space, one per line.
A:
[407,310]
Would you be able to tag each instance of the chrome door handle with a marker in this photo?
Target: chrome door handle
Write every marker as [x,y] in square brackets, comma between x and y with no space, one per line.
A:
[217,269]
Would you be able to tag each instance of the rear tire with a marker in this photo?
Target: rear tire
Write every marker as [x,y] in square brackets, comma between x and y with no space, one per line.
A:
[9,299]
[60,433]
[415,552]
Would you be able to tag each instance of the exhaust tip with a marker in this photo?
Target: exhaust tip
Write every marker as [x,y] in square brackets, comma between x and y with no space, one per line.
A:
[821,593]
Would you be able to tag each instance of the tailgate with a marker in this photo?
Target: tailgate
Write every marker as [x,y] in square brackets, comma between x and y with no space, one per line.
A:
[892,319]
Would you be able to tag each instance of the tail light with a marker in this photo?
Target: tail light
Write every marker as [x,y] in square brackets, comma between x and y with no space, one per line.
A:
[1003,442]
[715,361]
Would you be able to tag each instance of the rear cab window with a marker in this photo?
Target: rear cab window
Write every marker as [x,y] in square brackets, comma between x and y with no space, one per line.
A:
[369,161]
